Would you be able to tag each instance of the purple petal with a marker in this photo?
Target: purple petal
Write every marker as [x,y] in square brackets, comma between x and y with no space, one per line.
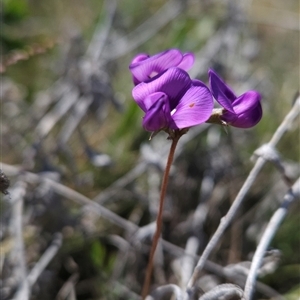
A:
[247,119]
[151,99]
[197,82]
[229,117]
[145,69]
[246,102]
[221,91]
[138,58]
[158,115]
[173,82]
[194,108]
[187,61]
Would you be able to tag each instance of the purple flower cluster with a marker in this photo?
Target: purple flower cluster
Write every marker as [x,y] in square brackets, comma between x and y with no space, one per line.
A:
[172,100]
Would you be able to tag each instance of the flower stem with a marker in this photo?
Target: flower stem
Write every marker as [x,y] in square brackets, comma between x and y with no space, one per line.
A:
[164,185]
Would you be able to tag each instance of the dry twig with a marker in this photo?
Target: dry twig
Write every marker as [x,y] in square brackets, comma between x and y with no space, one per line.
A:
[277,218]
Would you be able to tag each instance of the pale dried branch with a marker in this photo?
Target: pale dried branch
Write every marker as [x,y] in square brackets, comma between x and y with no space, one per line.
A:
[47,256]
[270,154]
[67,290]
[46,124]
[276,220]
[166,292]
[100,36]
[125,291]
[80,109]
[188,261]
[18,252]
[224,292]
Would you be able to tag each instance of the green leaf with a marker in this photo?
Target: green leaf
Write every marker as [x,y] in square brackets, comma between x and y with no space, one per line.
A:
[293,294]
[15,10]
[98,253]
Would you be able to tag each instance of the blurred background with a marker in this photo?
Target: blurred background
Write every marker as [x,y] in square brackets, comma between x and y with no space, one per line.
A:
[67,115]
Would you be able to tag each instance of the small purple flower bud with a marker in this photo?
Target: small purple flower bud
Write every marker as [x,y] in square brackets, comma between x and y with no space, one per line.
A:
[244,111]
[144,67]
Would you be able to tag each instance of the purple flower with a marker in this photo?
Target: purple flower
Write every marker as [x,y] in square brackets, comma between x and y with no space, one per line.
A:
[143,67]
[172,100]
[244,111]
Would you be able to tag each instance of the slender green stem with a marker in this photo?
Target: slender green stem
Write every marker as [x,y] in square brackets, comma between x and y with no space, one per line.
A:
[159,216]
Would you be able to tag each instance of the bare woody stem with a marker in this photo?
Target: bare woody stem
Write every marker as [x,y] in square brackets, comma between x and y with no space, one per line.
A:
[164,185]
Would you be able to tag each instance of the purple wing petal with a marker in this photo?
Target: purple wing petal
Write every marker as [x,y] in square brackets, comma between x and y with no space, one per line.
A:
[249,118]
[246,102]
[151,99]
[158,115]
[194,108]
[173,82]
[221,91]
[187,62]
[145,69]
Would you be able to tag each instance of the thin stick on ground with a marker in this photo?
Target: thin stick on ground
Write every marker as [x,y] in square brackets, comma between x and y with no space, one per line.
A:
[223,291]
[45,259]
[159,217]
[17,195]
[267,237]
[225,221]
[67,291]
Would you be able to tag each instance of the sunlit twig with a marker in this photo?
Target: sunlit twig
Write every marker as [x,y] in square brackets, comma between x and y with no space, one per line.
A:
[276,220]
[47,256]
[17,197]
